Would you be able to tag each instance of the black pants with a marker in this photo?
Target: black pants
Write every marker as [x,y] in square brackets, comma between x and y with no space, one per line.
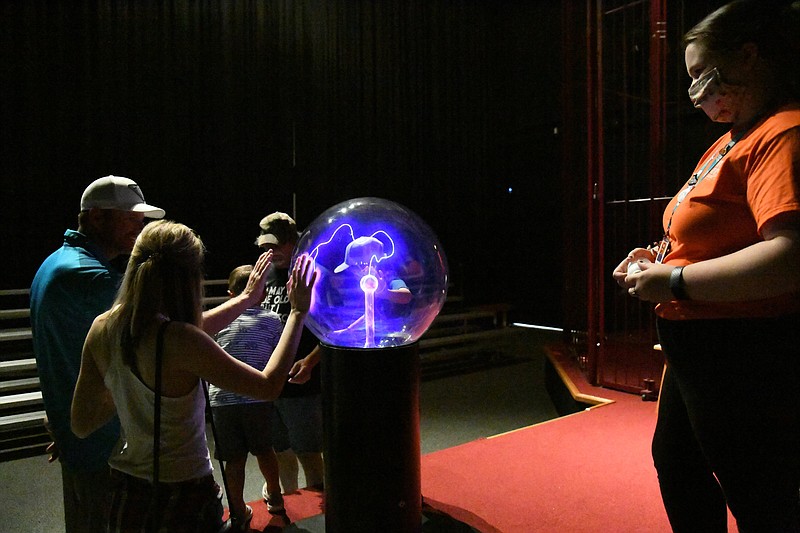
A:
[728,430]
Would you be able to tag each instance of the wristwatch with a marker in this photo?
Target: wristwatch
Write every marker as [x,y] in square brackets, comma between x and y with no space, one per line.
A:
[677,285]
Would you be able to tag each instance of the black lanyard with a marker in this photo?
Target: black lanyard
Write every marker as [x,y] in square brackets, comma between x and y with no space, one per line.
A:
[697,177]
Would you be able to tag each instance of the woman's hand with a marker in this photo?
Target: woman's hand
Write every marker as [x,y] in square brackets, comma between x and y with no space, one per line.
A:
[650,283]
[301,284]
[301,370]
[646,281]
[637,255]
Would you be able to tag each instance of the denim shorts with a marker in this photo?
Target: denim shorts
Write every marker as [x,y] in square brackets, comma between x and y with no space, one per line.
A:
[242,428]
[297,424]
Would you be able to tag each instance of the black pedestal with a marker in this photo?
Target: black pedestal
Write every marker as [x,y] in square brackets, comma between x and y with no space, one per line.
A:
[372,444]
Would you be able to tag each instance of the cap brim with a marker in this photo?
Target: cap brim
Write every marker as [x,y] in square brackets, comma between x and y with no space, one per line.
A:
[150,211]
[267,238]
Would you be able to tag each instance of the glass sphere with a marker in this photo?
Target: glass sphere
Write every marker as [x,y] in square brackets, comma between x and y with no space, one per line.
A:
[381,274]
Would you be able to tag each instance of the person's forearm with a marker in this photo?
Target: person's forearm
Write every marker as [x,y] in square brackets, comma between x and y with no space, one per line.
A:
[314,356]
[762,270]
[282,359]
[220,316]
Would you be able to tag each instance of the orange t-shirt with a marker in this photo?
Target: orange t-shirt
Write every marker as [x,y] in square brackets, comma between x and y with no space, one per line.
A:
[756,180]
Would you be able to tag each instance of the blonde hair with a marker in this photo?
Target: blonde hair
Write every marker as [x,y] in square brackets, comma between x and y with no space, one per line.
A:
[164,276]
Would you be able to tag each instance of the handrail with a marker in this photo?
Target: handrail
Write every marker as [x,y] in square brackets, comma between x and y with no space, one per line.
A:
[15,292]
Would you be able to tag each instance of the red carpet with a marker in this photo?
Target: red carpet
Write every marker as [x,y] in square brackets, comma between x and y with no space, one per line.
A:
[302,504]
[588,472]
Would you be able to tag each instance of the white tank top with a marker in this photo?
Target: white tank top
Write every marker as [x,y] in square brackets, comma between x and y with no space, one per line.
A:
[184,452]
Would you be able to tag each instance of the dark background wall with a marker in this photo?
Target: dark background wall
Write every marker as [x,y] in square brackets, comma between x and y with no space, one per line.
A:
[225,111]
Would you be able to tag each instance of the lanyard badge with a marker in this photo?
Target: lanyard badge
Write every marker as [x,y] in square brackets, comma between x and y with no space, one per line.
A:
[662,250]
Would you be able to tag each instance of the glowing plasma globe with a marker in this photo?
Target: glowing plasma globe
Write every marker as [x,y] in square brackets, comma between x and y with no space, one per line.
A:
[381,274]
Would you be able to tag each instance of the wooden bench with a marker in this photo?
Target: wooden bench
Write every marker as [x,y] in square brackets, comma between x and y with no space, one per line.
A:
[21,400]
[14,314]
[467,338]
[13,386]
[17,367]
[458,333]
[32,420]
[464,317]
[15,334]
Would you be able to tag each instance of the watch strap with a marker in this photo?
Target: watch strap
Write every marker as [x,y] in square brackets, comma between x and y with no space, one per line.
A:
[677,284]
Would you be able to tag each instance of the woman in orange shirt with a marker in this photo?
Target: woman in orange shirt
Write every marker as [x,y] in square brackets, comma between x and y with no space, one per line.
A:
[726,281]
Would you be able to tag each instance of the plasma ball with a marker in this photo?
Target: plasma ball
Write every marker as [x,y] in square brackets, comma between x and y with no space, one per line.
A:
[381,274]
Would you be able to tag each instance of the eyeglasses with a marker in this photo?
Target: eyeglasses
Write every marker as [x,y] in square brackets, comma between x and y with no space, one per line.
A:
[704,86]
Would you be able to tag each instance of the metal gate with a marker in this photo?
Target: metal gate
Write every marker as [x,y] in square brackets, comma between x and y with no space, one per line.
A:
[643,138]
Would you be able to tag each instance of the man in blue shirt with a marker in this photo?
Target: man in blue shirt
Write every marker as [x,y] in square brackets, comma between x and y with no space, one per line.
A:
[74,285]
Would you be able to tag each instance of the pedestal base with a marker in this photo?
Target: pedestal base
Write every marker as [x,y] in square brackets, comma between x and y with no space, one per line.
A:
[431,521]
[372,449]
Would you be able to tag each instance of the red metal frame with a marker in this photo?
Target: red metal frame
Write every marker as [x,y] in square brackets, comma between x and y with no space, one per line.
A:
[594,143]
[620,358]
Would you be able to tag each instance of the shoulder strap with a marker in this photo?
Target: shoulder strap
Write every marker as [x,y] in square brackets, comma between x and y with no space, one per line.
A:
[157,403]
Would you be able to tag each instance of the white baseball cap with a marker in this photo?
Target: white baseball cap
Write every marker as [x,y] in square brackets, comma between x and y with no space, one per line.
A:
[114,192]
[277,228]
[362,251]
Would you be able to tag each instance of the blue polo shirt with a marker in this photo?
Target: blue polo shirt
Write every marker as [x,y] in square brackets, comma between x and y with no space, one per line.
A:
[74,285]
